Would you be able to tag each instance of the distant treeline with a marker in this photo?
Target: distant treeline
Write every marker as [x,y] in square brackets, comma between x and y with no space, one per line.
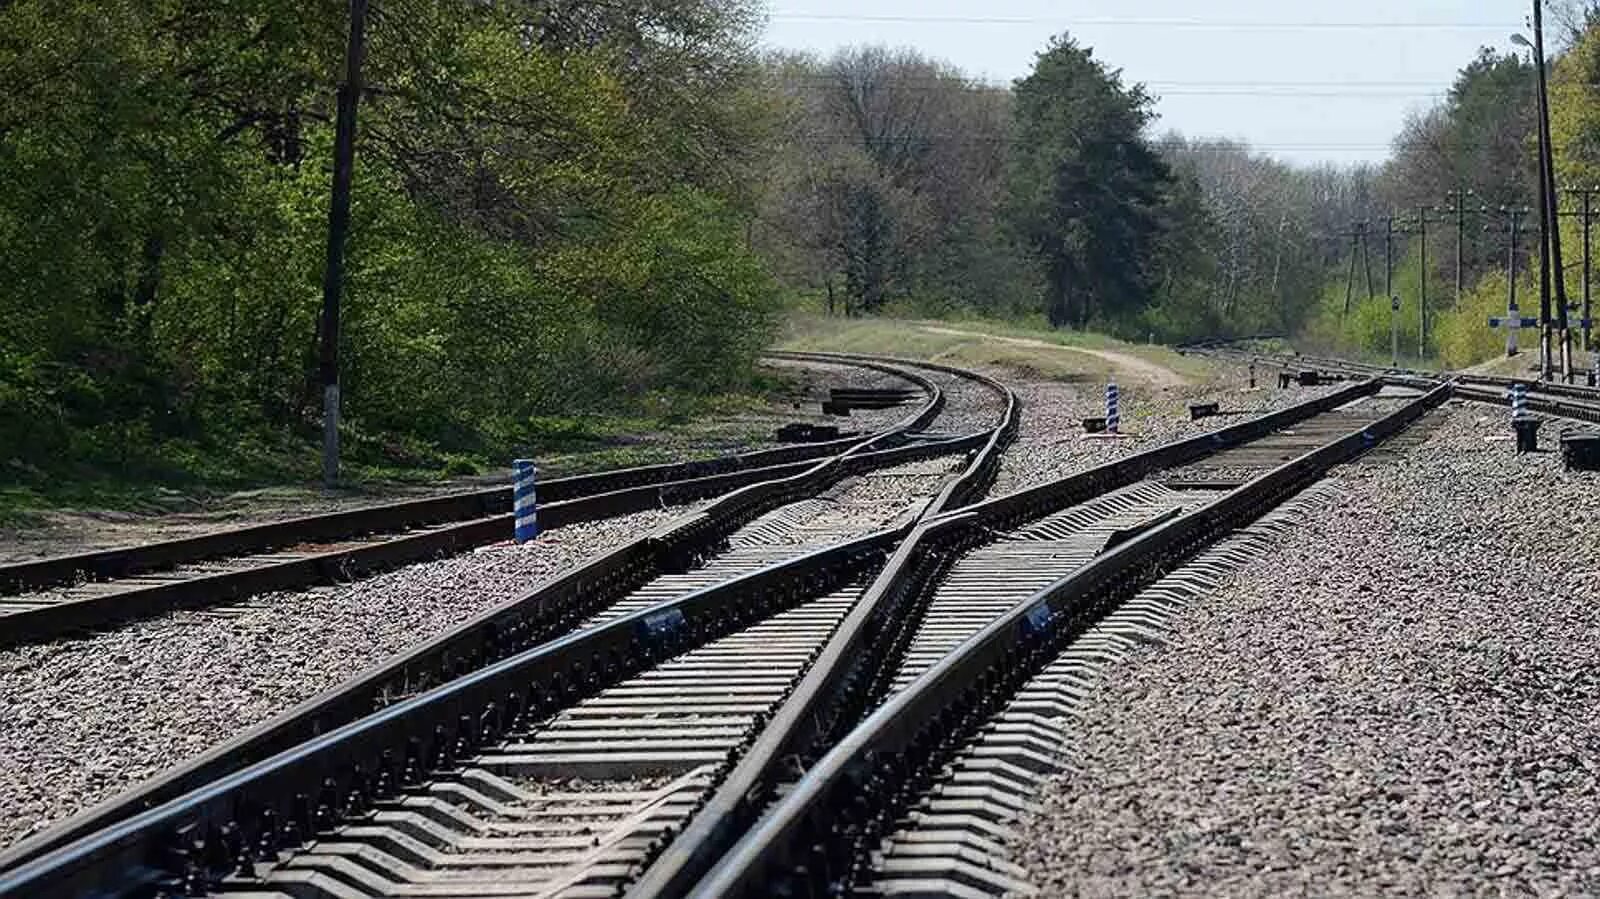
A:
[563,207]
[899,182]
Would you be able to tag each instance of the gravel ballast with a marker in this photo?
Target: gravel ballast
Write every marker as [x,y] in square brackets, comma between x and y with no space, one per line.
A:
[89,717]
[1051,444]
[1403,699]
[86,718]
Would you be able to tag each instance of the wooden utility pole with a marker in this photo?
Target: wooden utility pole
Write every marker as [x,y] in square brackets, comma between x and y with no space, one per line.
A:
[1422,305]
[1366,257]
[1350,279]
[1550,237]
[1419,227]
[344,151]
[1513,321]
[1388,255]
[1458,206]
[1586,215]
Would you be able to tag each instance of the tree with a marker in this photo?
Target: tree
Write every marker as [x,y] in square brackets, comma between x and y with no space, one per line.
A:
[548,218]
[888,179]
[1085,189]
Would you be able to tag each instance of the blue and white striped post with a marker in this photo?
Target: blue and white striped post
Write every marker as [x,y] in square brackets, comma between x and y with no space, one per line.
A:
[1519,401]
[524,501]
[1113,414]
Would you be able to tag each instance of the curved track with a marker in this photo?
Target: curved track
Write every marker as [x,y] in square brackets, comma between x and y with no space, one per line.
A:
[740,550]
[568,768]
[87,591]
[912,801]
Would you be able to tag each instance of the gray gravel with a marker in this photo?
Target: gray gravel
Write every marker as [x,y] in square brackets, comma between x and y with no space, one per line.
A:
[86,718]
[1403,700]
[968,405]
[1051,443]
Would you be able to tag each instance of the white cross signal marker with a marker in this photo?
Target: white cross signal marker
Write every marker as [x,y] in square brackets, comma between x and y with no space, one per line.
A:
[1512,322]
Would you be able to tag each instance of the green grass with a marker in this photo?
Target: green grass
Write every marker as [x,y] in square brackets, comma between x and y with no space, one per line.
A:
[181,476]
[178,475]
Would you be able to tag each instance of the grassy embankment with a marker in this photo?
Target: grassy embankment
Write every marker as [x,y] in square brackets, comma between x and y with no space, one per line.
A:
[188,478]
[1030,349]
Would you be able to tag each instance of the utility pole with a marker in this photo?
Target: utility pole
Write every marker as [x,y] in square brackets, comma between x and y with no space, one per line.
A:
[1558,270]
[1513,321]
[1366,257]
[344,150]
[1388,255]
[1422,305]
[1549,219]
[1277,267]
[1419,227]
[1586,195]
[1458,206]
[1545,336]
[1350,279]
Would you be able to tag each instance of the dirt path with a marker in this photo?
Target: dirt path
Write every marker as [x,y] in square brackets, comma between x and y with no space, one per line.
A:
[1155,373]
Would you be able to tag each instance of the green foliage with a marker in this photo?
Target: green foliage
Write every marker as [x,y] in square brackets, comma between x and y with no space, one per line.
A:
[540,228]
[1575,134]
[1464,335]
[884,184]
[1085,190]
[1366,330]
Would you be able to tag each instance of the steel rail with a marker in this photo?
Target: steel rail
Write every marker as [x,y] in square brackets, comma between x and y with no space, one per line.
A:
[852,668]
[974,482]
[399,515]
[548,611]
[107,609]
[127,560]
[394,516]
[809,843]
[704,613]
[1570,401]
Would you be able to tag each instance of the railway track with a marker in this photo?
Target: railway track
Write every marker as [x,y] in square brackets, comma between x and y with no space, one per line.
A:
[769,533]
[55,596]
[631,753]
[1573,402]
[916,799]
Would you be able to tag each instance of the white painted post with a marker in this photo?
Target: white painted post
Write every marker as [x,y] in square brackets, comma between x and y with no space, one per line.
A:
[1113,415]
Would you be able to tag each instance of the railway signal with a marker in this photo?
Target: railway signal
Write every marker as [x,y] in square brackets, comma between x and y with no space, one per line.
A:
[1394,331]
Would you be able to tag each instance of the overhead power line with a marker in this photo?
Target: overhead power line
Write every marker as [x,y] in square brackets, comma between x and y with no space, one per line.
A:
[1261,25]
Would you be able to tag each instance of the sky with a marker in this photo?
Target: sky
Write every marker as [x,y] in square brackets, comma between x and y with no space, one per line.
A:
[1308,82]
